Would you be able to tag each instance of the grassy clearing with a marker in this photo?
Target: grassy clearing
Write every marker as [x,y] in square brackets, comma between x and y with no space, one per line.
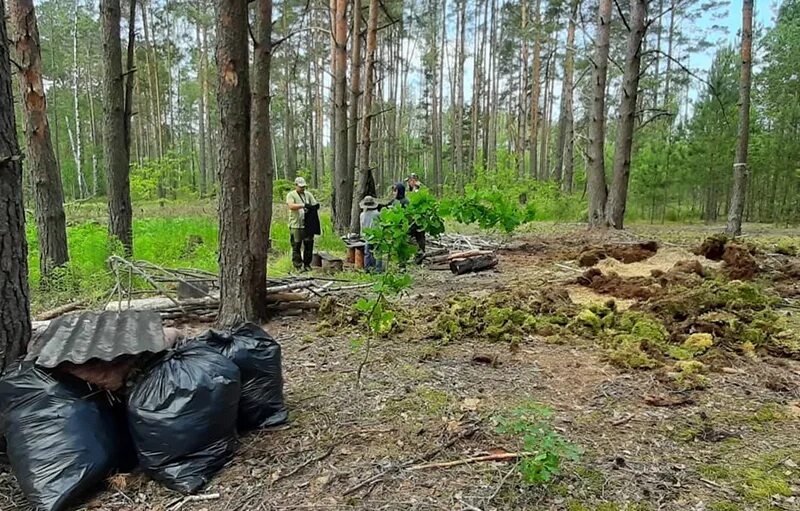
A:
[174,235]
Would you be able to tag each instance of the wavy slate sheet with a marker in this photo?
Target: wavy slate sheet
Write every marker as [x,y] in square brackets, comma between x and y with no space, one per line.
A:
[84,336]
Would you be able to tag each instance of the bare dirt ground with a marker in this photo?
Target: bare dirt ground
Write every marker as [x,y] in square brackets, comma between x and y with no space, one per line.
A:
[733,445]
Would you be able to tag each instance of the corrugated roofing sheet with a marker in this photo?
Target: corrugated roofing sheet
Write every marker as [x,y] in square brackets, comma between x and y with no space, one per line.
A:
[84,336]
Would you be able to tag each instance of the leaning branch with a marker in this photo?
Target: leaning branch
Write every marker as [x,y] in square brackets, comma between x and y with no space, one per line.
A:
[694,75]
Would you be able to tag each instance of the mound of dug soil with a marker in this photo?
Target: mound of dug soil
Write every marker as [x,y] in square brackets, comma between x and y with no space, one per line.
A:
[627,254]
[639,288]
[739,263]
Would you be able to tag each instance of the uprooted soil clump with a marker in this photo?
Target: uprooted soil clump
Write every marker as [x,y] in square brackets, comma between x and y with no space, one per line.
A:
[641,287]
[739,259]
[627,254]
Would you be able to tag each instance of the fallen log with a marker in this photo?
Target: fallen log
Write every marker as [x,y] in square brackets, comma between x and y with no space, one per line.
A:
[60,311]
[447,258]
[473,264]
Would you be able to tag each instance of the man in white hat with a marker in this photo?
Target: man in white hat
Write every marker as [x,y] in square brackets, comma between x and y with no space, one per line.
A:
[369,217]
[302,204]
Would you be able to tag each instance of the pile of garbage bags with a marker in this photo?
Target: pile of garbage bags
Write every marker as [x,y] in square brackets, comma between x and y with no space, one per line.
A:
[177,420]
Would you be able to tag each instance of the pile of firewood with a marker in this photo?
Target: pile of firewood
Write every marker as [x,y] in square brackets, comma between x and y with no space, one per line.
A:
[464,262]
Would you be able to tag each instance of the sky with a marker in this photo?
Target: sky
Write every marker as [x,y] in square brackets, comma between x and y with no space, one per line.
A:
[764,17]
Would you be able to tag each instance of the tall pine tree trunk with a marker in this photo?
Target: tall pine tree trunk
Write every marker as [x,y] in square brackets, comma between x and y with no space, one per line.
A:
[364,169]
[77,141]
[547,105]
[596,170]
[740,171]
[523,92]
[618,196]
[15,327]
[458,115]
[155,85]
[438,100]
[566,98]
[342,184]
[261,171]
[116,151]
[355,89]
[535,87]
[48,194]
[201,114]
[130,68]
[237,293]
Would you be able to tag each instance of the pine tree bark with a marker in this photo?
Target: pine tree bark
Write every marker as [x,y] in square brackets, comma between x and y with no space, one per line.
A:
[355,90]
[201,114]
[342,185]
[77,141]
[237,293]
[48,193]
[523,91]
[155,85]
[618,196]
[117,158]
[438,100]
[547,106]
[364,169]
[566,99]
[536,72]
[458,114]
[130,68]
[490,141]
[15,327]
[740,171]
[261,171]
[596,170]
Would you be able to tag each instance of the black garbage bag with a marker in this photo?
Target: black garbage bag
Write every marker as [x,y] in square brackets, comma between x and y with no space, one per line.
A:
[258,357]
[182,416]
[62,437]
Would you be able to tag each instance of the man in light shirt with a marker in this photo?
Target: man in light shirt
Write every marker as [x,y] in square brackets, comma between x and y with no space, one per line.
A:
[301,204]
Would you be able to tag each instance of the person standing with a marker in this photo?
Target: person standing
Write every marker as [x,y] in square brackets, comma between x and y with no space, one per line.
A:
[369,217]
[303,224]
[414,184]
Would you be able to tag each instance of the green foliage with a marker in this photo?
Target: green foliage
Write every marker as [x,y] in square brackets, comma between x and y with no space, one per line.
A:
[281,188]
[390,237]
[490,209]
[546,449]
[159,178]
[423,211]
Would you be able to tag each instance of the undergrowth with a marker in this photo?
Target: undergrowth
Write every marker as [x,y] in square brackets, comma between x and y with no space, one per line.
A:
[172,242]
[545,450]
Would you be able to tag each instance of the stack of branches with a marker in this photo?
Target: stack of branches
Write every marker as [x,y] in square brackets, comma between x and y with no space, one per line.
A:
[194,294]
[460,243]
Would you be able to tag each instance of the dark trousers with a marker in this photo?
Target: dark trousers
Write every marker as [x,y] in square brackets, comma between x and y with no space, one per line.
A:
[302,248]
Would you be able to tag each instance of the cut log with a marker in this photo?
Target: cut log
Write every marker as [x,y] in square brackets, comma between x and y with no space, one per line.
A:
[458,255]
[286,297]
[331,264]
[473,264]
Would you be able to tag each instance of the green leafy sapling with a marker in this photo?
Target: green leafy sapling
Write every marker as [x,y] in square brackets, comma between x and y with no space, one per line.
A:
[544,448]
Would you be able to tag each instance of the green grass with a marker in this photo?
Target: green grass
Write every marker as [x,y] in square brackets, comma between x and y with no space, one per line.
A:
[174,235]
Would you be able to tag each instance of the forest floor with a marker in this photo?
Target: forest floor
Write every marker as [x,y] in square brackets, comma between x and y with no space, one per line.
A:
[661,422]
